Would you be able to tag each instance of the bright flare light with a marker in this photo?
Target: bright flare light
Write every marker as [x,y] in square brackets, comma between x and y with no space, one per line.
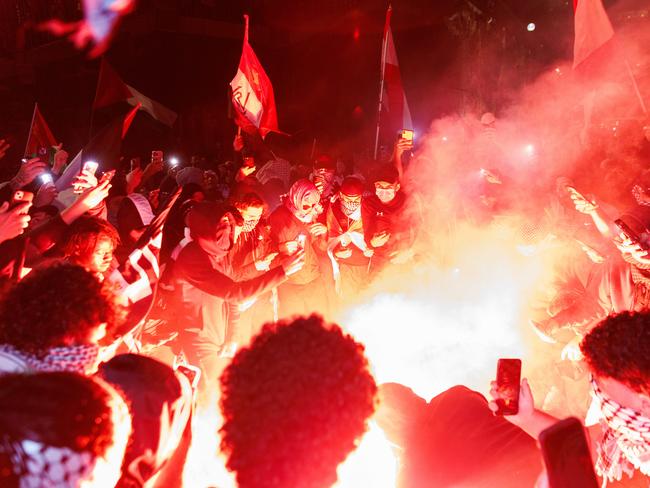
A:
[371,464]
[531,27]
[205,465]
[530,150]
[449,326]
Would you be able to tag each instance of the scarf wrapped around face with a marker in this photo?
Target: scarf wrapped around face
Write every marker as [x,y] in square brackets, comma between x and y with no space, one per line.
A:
[625,445]
[38,465]
[300,191]
[82,359]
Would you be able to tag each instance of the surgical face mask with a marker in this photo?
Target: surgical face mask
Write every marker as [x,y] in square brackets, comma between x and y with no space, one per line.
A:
[385,195]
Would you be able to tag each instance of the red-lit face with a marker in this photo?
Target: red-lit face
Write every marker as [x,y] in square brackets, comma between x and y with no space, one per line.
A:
[100,259]
[251,216]
[386,191]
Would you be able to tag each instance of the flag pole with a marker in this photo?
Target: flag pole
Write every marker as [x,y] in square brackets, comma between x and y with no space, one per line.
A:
[384,48]
[636,87]
[29,136]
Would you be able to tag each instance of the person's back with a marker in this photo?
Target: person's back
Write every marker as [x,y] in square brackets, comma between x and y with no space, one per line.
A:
[53,320]
[61,430]
[454,440]
[294,404]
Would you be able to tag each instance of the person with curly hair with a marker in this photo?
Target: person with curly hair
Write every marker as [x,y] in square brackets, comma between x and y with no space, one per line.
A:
[617,352]
[61,430]
[54,318]
[90,242]
[294,404]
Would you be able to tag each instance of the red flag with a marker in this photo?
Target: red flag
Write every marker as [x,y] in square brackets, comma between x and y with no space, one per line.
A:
[40,138]
[129,119]
[592,29]
[396,110]
[252,93]
[110,87]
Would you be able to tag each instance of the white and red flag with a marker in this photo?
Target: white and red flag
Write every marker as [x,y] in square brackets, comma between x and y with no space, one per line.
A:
[593,29]
[137,277]
[394,99]
[111,89]
[252,93]
[394,114]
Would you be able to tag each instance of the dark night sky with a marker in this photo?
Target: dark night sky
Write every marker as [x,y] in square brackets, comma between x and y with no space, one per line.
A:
[325,78]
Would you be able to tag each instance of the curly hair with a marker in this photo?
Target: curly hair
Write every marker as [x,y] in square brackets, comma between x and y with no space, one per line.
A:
[294,403]
[57,409]
[619,348]
[56,306]
[83,234]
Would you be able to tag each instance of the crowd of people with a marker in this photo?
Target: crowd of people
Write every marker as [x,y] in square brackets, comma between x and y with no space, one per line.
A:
[250,251]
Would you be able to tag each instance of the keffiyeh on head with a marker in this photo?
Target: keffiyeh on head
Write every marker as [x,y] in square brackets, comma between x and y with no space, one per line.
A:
[303,193]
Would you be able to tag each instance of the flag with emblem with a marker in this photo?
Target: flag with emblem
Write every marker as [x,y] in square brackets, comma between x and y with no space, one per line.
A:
[40,139]
[252,93]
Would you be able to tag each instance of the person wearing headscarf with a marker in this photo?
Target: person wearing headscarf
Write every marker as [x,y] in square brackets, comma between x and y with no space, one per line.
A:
[294,227]
[208,292]
[54,320]
[617,354]
[61,430]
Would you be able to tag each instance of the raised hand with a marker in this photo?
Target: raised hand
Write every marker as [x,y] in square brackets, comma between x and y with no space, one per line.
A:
[92,197]
[45,195]
[13,221]
[60,159]
[27,173]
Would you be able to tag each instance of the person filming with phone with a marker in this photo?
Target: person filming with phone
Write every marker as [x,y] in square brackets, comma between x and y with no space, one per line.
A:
[617,353]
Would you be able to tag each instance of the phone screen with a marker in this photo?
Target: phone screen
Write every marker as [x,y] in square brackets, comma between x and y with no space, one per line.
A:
[566,455]
[407,134]
[46,178]
[90,166]
[508,381]
[629,233]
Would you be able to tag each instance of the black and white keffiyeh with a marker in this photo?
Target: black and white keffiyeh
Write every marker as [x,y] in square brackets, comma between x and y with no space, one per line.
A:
[625,445]
[82,359]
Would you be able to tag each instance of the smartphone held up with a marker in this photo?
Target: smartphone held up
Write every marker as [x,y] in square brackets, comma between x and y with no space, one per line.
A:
[20,197]
[508,384]
[407,135]
[91,166]
[566,455]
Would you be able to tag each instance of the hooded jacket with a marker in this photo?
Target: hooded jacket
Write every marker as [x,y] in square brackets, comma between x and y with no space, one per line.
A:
[204,273]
